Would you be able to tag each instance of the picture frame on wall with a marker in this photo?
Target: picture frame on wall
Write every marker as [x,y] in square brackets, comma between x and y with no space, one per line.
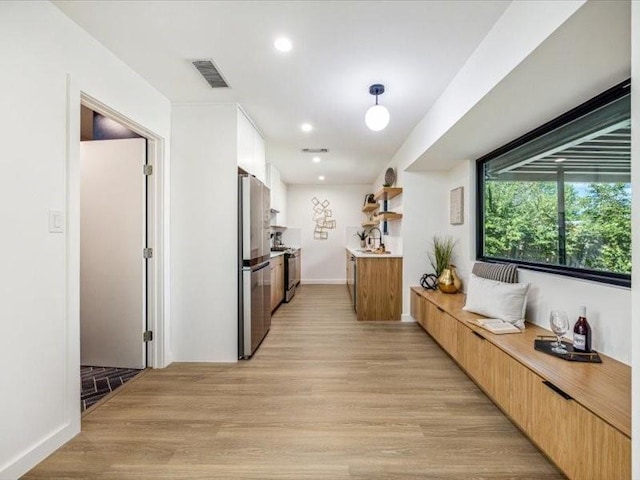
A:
[456,206]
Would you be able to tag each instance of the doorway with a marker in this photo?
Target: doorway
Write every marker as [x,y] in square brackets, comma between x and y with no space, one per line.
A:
[114,253]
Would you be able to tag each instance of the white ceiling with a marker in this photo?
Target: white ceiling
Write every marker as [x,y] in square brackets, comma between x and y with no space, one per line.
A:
[339,49]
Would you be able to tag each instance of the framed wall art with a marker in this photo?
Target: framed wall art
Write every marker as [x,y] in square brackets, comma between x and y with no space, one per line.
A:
[456,206]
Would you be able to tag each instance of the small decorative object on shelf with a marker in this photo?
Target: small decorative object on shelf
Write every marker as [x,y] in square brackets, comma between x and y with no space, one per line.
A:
[448,281]
[440,258]
[429,281]
[363,238]
[389,177]
[559,322]
[582,333]
[368,198]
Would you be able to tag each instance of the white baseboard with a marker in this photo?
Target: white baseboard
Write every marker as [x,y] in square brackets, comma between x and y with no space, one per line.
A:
[407,318]
[326,281]
[25,461]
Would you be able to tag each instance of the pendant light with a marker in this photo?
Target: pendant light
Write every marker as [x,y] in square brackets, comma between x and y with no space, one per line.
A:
[377,117]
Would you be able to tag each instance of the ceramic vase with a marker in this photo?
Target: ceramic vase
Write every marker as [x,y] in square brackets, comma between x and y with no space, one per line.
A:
[448,281]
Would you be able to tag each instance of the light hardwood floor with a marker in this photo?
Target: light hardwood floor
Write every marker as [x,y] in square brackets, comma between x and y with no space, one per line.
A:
[325,397]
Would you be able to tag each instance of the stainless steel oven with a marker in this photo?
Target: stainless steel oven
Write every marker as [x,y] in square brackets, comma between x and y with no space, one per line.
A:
[292,257]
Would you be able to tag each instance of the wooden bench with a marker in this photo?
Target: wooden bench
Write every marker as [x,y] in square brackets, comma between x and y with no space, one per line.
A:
[538,392]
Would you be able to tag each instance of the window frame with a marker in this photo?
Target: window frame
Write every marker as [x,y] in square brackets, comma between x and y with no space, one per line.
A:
[620,279]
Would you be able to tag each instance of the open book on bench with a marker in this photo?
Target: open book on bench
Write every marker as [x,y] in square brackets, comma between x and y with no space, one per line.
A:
[495,325]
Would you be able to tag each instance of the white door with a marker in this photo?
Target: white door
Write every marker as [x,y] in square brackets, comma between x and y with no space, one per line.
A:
[112,239]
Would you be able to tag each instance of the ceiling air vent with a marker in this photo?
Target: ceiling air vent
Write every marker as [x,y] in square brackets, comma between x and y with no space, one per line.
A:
[315,150]
[210,73]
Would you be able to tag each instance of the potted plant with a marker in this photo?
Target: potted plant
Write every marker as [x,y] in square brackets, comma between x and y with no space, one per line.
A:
[440,258]
[362,235]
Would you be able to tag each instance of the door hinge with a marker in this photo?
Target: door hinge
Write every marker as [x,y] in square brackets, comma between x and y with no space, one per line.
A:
[148,169]
[147,336]
[147,253]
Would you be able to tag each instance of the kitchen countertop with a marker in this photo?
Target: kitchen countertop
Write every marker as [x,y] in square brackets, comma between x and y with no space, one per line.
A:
[276,254]
[359,254]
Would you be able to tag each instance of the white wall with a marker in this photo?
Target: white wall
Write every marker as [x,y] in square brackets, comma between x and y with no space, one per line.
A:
[425,206]
[323,261]
[39,279]
[635,179]
[204,215]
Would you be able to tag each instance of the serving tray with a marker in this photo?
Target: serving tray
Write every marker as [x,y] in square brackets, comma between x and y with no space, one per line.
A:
[543,344]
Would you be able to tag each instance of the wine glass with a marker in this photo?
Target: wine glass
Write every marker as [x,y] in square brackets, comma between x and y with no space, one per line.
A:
[559,325]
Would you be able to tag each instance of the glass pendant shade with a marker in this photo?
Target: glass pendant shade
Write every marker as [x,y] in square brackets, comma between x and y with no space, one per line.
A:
[377,118]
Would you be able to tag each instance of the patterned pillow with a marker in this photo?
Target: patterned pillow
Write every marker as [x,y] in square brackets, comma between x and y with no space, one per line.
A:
[501,272]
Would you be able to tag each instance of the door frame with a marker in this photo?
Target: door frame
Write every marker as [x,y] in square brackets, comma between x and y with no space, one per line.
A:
[155,230]
[157,217]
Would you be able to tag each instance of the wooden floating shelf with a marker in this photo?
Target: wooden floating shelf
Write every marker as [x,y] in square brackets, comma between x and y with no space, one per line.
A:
[386,216]
[387,193]
[370,207]
[371,224]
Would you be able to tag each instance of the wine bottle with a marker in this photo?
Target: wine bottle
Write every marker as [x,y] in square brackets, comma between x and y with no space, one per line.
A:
[582,333]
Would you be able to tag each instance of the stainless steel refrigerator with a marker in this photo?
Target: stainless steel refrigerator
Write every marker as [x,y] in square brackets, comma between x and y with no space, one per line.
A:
[254,253]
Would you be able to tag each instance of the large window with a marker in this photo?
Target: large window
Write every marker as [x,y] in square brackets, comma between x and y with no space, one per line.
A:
[559,198]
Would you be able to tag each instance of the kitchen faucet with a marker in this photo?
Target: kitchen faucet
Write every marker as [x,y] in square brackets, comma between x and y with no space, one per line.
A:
[379,238]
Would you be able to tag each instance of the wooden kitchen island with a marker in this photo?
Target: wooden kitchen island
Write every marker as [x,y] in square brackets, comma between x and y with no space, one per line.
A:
[374,282]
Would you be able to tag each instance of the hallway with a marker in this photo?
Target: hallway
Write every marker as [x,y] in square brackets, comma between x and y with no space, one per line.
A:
[325,397]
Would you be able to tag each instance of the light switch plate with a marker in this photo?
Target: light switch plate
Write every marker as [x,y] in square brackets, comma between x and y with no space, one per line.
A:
[56,221]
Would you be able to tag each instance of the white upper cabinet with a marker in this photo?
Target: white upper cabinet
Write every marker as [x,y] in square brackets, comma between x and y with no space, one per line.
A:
[245,142]
[278,195]
[251,149]
[259,157]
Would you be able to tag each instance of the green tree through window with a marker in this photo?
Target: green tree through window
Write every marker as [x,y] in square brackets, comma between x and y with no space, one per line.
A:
[559,198]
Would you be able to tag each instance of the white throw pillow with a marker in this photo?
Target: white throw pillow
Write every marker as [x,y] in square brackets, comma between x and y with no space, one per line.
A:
[506,301]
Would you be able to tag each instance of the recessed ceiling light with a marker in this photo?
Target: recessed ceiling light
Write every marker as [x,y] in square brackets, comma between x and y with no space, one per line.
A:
[316,159]
[560,160]
[321,177]
[306,127]
[283,44]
